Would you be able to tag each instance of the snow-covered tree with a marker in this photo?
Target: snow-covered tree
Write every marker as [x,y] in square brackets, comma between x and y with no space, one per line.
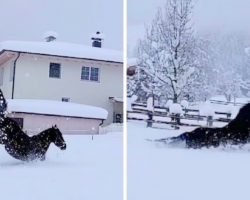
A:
[230,65]
[167,53]
[174,63]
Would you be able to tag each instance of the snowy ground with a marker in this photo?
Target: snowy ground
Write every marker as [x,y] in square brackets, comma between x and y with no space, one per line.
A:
[87,170]
[158,172]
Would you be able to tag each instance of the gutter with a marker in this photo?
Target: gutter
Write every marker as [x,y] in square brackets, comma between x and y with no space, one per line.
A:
[14,75]
[101,122]
[59,56]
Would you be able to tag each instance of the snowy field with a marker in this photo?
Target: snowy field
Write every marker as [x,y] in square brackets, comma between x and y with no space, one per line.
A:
[87,170]
[159,172]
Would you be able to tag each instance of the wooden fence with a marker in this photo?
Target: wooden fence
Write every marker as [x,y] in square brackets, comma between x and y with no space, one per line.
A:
[191,117]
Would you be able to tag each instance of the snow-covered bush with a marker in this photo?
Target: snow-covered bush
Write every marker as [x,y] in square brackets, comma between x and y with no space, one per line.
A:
[184,104]
[175,108]
[131,100]
[169,103]
[150,104]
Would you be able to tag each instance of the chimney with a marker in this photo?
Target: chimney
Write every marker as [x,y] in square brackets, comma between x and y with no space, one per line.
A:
[50,36]
[97,39]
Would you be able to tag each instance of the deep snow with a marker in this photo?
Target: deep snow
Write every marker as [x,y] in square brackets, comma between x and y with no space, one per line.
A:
[159,172]
[87,170]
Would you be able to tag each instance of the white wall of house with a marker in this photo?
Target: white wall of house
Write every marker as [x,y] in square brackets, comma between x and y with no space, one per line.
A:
[33,81]
[6,73]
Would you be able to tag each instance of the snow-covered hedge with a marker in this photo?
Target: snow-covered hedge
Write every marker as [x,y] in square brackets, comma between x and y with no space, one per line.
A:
[131,100]
[184,103]
[175,108]
[169,103]
[150,104]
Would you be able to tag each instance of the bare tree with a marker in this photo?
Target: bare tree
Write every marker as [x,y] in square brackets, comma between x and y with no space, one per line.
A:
[167,52]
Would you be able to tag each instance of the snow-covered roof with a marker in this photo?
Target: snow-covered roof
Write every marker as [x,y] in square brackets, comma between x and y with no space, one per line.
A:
[116,99]
[63,49]
[132,62]
[59,108]
[98,35]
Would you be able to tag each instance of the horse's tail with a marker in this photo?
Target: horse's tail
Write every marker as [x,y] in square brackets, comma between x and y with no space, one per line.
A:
[3,105]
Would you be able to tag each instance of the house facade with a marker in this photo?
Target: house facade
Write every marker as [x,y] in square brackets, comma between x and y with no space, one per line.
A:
[62,72]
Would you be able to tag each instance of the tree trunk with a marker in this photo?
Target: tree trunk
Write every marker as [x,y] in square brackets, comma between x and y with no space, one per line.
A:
[175,98]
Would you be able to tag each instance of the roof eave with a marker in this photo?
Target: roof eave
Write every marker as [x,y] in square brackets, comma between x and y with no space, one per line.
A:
[55,115]
[71,57]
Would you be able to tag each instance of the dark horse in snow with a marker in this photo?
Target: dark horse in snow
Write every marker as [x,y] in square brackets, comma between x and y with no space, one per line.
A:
[21,146]
[237,132]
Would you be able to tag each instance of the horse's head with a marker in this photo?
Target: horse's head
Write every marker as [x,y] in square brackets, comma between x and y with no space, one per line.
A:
[59,141]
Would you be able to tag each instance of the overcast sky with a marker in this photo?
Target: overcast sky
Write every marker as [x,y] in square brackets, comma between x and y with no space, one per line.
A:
[209,16]
[73,20]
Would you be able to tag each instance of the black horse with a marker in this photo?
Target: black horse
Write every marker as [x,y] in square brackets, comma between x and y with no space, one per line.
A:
[23,147]
[237,132]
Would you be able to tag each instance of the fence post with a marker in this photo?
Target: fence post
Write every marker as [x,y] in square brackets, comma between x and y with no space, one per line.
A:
[150,108]
[209,121]
[150,119]
[176,110]
[178,118]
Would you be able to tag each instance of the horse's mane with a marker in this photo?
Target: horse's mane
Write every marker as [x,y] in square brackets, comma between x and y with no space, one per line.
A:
[48,130]
[13,124]
[45,133]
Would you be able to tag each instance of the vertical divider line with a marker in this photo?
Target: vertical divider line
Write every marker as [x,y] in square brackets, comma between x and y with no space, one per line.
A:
[125,133]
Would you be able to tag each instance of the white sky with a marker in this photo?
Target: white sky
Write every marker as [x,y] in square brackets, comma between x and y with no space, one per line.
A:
[209,16]
[73,20]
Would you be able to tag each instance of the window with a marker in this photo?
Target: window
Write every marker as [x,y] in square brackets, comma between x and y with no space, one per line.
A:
[118,118]
[85,73]
[90,73]
[55,70]
[94,76]
[65,99]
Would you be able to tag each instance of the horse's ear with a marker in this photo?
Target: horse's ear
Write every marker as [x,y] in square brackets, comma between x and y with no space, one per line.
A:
[55,126]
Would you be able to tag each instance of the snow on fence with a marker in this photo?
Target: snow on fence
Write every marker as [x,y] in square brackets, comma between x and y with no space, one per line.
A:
[228,103]
[188,117]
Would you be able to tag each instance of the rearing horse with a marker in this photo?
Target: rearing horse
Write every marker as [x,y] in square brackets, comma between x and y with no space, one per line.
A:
[23,147]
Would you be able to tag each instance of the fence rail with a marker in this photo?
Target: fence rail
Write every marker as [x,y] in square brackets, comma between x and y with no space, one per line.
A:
[227,103]
[141,113]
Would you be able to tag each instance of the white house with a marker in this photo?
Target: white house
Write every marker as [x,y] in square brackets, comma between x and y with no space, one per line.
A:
[60,71]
